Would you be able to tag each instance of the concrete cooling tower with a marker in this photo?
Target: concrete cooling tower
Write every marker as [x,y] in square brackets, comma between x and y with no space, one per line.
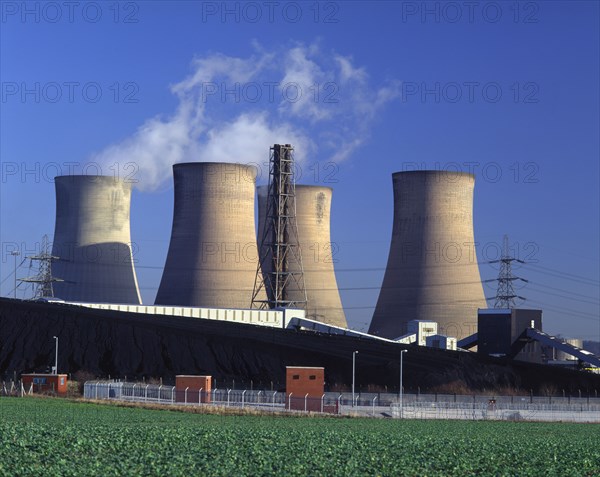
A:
[313,204]
[212,256]
[92,240]
[432,271]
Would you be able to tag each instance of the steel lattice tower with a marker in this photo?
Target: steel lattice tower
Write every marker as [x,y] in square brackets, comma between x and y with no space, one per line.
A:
[505,295]
[44,278]
[284,282]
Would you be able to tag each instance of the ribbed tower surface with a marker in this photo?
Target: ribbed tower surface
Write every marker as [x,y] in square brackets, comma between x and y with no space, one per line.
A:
[213,257]
[93,241]
[313,205]
[432,271]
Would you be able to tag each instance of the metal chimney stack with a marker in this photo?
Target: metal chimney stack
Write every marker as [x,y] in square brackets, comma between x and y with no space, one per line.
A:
[313,205]
[93,241]
[212,256]
[432,271]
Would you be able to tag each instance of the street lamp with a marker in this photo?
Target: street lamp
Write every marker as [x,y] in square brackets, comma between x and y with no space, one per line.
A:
[354,353]
[56,355]
[400,394]
[15,253]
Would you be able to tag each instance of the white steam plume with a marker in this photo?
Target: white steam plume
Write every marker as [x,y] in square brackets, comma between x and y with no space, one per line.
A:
[233,109]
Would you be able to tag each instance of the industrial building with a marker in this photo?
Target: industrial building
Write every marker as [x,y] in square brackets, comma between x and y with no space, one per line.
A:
[45,383]
[432,271]
[313,206]
[498,329]
[92,240]
[137,344]
[212,257]
[203,320]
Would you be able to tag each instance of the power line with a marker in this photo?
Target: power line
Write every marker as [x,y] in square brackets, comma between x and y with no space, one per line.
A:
[579,300]
[12,274]
[564,275]
[564,291]
[561,309]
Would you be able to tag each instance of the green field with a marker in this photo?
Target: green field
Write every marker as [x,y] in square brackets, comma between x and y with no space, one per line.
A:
[58,437]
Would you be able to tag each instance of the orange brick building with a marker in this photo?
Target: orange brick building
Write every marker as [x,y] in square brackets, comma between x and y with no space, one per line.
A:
[45,383]
[304,387]
[198,388]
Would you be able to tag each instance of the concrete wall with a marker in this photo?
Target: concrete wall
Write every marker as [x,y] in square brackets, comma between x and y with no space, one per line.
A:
[432,271]
[93,240]
[313,206]
[212,258]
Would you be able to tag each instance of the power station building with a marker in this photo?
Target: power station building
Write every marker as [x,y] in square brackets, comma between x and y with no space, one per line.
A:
[212,257]
[93,241]
[313,205]
[432,271]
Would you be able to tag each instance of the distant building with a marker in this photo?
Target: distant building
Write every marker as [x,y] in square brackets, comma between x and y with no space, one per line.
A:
[500,328]
[304,387]
[41,383]
[441,342]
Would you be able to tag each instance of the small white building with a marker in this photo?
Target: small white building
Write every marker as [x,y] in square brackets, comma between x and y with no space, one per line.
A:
[423,329]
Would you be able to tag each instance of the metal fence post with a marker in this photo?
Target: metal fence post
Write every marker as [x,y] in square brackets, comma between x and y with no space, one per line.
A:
[322,402]
[290,402]
[243,393]
[185,395]
[273,402]
[200,396]
[146,393]
[228,391]
[374,399]
[305,402]
[159,393]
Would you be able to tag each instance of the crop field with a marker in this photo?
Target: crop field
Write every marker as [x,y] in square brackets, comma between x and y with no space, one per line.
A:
[59,437]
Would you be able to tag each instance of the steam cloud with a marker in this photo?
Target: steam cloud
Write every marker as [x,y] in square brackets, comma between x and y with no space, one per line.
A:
[232,109]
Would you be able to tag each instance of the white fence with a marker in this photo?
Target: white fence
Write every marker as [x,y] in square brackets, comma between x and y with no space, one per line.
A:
[415,406]
[12,388]
[499,411]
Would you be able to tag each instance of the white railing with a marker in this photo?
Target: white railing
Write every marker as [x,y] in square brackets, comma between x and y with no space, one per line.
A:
[421,406]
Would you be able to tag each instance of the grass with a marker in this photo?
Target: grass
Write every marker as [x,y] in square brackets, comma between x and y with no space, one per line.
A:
[68,438]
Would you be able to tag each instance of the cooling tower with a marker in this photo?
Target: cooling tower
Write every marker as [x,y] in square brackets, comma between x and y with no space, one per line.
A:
[432,271]
[93,241]
[313,204]
[212,256]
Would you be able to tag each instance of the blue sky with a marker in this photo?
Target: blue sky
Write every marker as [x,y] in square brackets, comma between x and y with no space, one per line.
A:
[508,90]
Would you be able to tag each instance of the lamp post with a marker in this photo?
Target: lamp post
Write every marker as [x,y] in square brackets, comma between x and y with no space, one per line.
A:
[400,394]
[56,355]
[354,353]
[15,253]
